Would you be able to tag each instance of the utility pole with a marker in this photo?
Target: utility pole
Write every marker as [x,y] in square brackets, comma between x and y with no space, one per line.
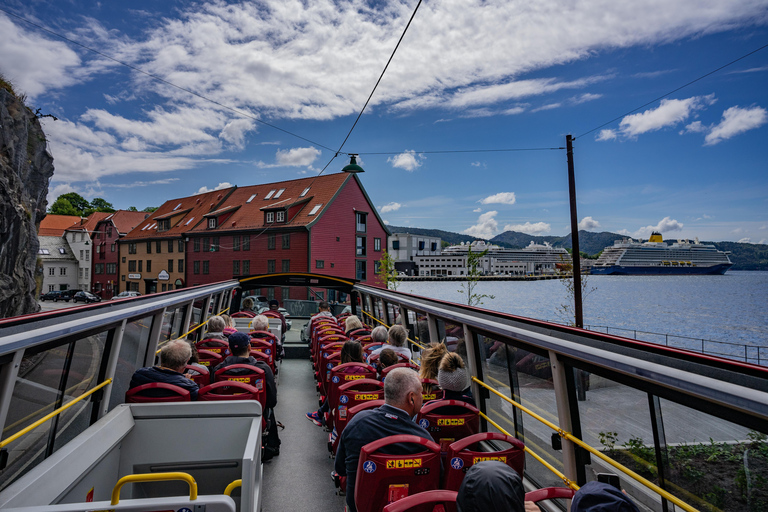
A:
[575,256]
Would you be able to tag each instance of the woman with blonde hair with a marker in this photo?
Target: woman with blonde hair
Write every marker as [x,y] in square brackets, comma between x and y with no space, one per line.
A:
[353,327]
[430,360]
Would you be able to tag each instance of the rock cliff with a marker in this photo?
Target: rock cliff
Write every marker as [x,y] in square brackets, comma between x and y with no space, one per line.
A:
[25,170]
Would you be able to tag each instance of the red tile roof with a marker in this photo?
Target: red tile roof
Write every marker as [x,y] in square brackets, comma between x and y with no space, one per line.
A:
[88,224]
[191,210]
[250,216]
[125,221]
[55,225]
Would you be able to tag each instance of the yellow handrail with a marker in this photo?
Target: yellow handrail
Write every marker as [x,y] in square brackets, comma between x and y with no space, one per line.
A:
[567,435]
[231,487]
[6,442]
[154,477]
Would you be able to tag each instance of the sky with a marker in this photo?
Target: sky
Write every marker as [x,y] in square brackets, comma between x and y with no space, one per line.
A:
[244,93]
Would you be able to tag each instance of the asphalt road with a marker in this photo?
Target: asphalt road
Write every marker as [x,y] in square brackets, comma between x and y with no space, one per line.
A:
[49,305]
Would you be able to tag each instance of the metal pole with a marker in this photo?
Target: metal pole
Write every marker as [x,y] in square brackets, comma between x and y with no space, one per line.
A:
[579,316]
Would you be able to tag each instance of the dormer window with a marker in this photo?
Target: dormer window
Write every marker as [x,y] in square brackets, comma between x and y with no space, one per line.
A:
[281,216]
[270,217]
[164,224]
[212,222]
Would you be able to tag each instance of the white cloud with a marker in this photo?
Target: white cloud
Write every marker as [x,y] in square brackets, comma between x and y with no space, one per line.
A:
[235,131]
[665,225]
[477,210]
[668,113]
[548,106]
[736,120]
[763,241]
[407,160]
[486,226]
[588,223]
[476,164]
[583,98]
[391,207]
[295,157]
[704,216]
[606,135]
[745,241]
[500,198]
[695,127]
[531,228]
[624,232]
[761,228]
[220,186]
[386,222]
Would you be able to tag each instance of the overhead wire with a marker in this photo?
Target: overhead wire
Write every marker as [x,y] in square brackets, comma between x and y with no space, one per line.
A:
[673,91]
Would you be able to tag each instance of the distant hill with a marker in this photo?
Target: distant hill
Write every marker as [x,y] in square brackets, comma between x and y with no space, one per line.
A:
[744,256]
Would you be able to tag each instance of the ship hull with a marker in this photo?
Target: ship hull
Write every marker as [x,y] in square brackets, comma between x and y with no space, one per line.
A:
[661,271]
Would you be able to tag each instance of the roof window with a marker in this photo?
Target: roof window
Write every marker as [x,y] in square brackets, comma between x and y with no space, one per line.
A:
[305,192]
[316,208]
[44,251]
[251,198]
[62,251]
[270,194]
[279,193]
[190,220]
[177,207]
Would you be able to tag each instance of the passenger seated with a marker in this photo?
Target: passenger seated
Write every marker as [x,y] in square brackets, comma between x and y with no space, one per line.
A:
[379,337]
[240,346]
[324,310]
[387,358]
[260,323]
[216,326]
[354,327]
[230,325]
[492,486]
[397,337]
[453,379]
[601,497]
[194,359]
[430,360]
[351,352]
[173,359]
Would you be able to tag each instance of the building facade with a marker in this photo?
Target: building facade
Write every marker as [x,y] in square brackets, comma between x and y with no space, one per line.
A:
[79,238]
[59,264]
[105,257]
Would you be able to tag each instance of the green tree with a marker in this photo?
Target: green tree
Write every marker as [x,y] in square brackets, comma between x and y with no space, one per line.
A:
[473,277]
[101,205]
[387,272]
[132,209]
[78,202]
[62,207]
[150,209]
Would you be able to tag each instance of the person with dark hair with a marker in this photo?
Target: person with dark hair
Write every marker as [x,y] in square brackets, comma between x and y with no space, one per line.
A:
[324,310]
[601,497]
[387,357]
[173,360]
[351,352]
[492,486]
[402,402]
[453,378]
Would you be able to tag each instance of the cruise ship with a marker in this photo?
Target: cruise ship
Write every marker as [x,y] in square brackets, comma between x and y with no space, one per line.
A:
[655,257]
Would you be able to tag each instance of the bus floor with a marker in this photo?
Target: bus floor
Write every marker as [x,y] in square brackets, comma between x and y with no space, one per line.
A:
[300,477]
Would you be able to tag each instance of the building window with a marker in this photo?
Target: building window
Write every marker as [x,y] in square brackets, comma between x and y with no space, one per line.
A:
[149,247]
[62,271]
[141,262]
[270,217]
[377,244]
[246,267]
[377,266]
[114,247]
[214,244]
[270,241]
[286,265]
[206,266]
[51,287]
[52,271]
[360,245]
[236,243]
[181,245]
[319,263]
[97,268]
[270,266]
[180,268]
[196,267]
[246,242]
[158,246]
[285,292]
[149,265]
[87,255]
[281,216]
[360,220]
[170,265]
[212,223]
[132,248]
[122,278]
[421,245]
[433,246]
[164,225]
[123,259]
[286,240]
[360,270]
[81,255]
[196,245]
[111,268]
[236,268]
[396,245]
[170,245]
[132,266]
[206,244]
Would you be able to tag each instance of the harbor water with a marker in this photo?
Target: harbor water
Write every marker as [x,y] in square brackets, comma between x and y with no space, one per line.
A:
[730,308]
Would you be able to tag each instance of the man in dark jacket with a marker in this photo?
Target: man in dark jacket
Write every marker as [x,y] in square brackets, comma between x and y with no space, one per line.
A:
[173,359]
[601,497]
[403,399]
[492,486]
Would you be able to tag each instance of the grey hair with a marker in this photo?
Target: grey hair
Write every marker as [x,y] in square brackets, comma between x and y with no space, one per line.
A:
[399,383]
[398,335]
[379,334]
[175,354]
[260,323]
[216,324]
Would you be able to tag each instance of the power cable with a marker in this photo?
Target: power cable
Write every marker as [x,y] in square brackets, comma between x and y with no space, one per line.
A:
[673,91]
[162,80]
[459,151]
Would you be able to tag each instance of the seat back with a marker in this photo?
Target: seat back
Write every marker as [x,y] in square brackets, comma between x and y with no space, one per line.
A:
[358,333]
[427,501]
[323,331]
[550,493]
[266,346]
[352,394]
[364,340]
[261,356]
[388,369]
[331,346]
[243,314]
[271,314]
[241,373]
[465,453]
[447,428]
[229,390]
[395,467]
[374,359]
[208,358]
[342,374]
[201,376]
[431,390]
[213,345]
[157,392]
[328,361]
[264,336]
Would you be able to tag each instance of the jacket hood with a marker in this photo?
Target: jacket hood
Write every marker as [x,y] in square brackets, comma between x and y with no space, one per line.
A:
[491,486]
[600,497]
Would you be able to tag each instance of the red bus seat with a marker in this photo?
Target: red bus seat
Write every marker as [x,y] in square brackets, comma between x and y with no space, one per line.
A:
[550,493]
[374,359]
[209,359]
[214,345]
[157,392]
[272,314]
[342,374]
[328,362]
[243,314]
[445,429]
[229,390]
[431,390]
[427,501]
[388,369]
[383,478]
[352,394]
[201,376]
[267,358]
[465,453]
[331,346]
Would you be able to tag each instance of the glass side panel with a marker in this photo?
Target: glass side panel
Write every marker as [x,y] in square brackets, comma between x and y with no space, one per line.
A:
[132,350]
[197,314]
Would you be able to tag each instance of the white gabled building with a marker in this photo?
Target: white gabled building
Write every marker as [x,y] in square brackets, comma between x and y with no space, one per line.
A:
[59,264]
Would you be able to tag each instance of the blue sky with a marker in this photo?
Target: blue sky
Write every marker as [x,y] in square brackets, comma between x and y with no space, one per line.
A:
[469,75]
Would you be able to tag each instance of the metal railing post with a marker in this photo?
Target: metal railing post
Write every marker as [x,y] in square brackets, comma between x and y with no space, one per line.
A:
[114,357]
[560,385]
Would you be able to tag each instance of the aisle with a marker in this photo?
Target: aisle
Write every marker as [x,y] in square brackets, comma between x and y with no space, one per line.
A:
[300,478]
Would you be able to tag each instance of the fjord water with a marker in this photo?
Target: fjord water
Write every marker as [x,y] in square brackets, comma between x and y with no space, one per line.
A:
[730,308]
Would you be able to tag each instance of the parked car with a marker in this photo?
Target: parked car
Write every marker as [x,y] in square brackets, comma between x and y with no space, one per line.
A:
[125,295]
[86,297]
[55,296]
